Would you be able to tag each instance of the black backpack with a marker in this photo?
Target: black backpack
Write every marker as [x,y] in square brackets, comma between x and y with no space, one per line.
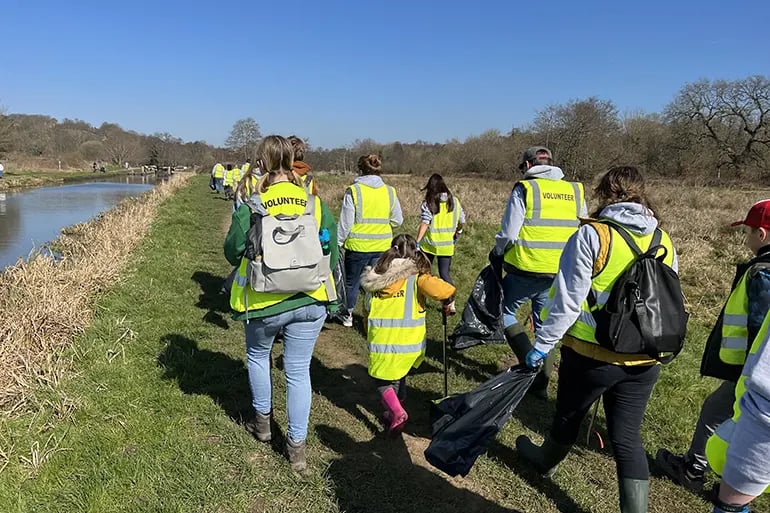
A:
[645,311]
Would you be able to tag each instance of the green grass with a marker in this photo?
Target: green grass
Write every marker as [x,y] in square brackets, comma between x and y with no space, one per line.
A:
[149,417]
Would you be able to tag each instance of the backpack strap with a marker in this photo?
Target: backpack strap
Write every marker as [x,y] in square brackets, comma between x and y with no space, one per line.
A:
[626,237]
[310,205]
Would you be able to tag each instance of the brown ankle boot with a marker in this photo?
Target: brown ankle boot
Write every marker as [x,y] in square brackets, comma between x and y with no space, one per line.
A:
[262,427]
[297,456]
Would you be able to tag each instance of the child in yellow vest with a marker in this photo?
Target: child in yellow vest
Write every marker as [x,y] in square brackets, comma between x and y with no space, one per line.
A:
[396,290]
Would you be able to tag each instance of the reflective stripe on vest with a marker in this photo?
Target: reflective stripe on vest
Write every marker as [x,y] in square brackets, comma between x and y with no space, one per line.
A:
[618,260]
[735,330]
[439,239]
[550,219]
[719,443]
[371,231]
[280,198]
[396,332]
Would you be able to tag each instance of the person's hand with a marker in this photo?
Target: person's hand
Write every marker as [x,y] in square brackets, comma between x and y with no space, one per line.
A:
[534,358]
[457,235]
[446,307]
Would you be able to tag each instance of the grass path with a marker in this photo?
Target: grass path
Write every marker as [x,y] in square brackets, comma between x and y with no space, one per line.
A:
[150,418]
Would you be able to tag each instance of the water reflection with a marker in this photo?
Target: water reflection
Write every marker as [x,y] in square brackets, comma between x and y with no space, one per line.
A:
[29,219]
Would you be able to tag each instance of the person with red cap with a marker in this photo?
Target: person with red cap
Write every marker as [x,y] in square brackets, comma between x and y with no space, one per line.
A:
[727,347]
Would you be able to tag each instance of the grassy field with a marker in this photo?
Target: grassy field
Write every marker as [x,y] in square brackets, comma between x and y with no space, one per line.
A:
[24,179]
[149,413]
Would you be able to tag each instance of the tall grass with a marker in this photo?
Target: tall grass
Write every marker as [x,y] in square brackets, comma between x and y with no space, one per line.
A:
[46,301]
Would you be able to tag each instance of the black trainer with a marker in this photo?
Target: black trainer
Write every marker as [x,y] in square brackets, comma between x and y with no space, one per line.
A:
[679,470]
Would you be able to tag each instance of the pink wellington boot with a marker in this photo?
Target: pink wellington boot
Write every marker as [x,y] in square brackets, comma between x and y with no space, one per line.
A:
[396,414]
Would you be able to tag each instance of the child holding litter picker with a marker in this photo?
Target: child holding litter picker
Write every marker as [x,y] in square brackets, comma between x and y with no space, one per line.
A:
[395,303]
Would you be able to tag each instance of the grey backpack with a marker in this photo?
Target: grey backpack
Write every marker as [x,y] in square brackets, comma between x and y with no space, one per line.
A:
[284,252]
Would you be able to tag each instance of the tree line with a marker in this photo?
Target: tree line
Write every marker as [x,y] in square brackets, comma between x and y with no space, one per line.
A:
[711,130]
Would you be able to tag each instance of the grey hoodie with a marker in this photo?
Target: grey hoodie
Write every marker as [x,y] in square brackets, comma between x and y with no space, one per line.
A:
[573,280]
[513,218]
[746,468]
[348,212]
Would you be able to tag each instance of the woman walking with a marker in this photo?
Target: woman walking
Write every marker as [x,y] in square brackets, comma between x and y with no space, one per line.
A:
[370,210]
[300,315]
[442,223]
[593,259]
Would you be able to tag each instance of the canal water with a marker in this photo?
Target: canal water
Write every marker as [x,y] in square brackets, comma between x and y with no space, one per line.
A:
[31,218]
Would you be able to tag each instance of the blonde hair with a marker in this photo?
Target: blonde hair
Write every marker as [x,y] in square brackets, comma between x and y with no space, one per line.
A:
[370,164]
[276,157]
[299,147]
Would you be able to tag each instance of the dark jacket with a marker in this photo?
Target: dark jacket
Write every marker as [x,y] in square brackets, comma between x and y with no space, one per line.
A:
[758,287]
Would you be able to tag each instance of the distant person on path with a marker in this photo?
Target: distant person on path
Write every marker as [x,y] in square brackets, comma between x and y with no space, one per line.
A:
[442,223]
[300,167]
[93,167]
[229,181]
[541,215]
[218,172]
[300,315]
[2,169]
[739,450]
[587,371]
[370,210]
[396,290]
[726,348]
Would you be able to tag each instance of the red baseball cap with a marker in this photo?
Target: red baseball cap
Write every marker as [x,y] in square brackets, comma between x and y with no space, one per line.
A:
[758,216]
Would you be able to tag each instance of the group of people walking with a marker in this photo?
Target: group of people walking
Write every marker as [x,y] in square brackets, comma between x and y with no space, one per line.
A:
[566,269]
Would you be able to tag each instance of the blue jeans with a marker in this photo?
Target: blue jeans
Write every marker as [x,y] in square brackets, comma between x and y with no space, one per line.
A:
[517,290]
[218,183]
[300,331]
[355,262]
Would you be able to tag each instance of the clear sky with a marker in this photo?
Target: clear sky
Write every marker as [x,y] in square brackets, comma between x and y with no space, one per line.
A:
[335,71]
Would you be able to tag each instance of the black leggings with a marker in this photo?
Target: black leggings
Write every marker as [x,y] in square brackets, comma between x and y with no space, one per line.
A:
[625,390]
[444,263]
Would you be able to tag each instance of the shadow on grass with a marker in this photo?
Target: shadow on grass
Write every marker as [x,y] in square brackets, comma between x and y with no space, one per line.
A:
[378,475]
[212,299]
[510,458]
[353,390]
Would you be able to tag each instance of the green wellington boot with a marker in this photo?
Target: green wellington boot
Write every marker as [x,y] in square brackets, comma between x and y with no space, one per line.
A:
[544,458]
[633,495]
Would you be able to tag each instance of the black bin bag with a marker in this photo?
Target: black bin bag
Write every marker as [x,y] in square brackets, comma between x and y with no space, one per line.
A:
[482,318]
[465,425]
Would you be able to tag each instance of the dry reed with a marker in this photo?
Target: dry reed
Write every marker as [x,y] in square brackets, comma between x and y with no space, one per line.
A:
[46,302]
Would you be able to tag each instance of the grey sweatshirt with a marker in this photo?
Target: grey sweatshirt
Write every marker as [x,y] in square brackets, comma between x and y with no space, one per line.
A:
[513,218]
[348,212]
[746,468]
[573,280]
[426,216]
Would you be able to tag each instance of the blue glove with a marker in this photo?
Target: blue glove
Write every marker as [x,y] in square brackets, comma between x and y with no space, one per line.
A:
[534,358]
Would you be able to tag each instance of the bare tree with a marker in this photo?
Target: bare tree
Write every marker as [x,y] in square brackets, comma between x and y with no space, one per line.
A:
[244,137]
[6,132]
[733,116]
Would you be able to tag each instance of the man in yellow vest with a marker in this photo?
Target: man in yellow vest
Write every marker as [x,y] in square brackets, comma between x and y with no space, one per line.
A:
[370,210]
[739,450]
[725,354]
[542,213]
[218,172]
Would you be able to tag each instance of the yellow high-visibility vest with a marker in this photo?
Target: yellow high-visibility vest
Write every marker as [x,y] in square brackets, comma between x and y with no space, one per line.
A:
[371,231]
[219,171]
[244,168]
[396,333]
[719,443]
[439,239]
[280,198]
[550,219]
[735,328]
[618,259]
[229,178]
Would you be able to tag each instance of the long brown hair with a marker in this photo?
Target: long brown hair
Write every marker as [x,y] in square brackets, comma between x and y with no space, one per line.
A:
[403,246]
[370,164]
[433,191]
[622,184]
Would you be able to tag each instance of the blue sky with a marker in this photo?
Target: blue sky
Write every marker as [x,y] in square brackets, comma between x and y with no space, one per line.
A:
[335,71]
